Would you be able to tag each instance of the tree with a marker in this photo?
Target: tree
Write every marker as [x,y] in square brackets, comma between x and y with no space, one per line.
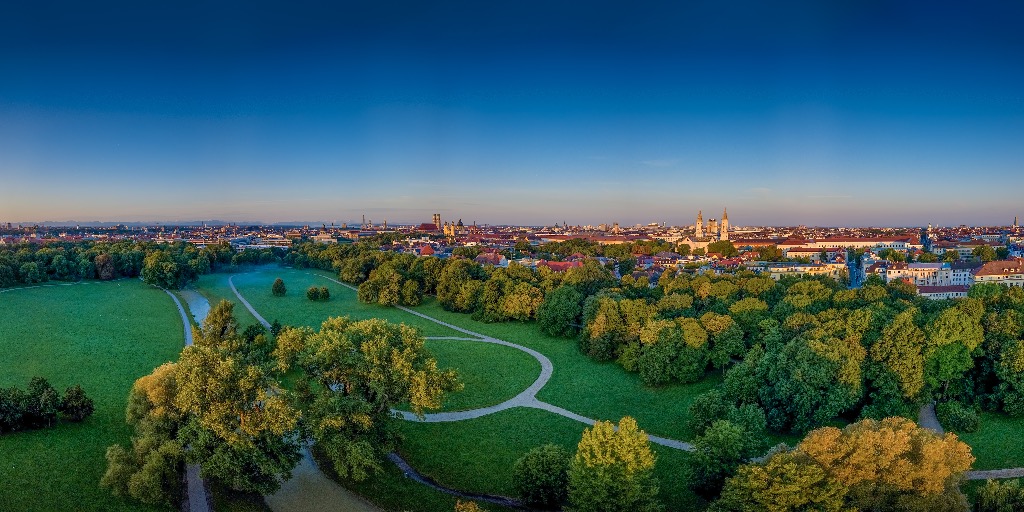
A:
[352,374]
[151,469]
[42,402]
[278,288]
[12,409]
[950,256]
[541,476]
[799,387]
[30,273]
[76,406]
[467,506]
[785,482]
[559,313]
[717,453]
[984,253]
[723,247]
[928,257]
[870,465]
[1000,496]
[899,349]
[313,293]
[105,267]
[612,470]
[325,294]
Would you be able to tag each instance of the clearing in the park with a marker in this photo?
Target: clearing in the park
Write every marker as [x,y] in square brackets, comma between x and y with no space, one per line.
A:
[101,335]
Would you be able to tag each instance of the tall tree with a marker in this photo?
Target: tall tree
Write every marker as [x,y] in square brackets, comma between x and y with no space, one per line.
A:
[613,470]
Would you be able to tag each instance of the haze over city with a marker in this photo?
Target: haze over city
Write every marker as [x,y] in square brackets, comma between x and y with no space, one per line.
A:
[525,113]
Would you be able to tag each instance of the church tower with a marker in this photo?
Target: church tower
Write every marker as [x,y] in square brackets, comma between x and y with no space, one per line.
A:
[724,233]
[699,226]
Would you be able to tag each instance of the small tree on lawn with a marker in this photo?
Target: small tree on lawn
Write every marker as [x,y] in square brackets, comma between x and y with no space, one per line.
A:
[325,294]
[313,293]
[278,288]
[541,476]
[75,406]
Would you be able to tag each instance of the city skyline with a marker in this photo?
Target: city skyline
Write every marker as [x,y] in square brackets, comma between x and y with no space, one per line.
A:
[843,114]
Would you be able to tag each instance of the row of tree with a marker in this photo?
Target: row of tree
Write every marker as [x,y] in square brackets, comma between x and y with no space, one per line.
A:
[223,406]
[164,265]
[40,404]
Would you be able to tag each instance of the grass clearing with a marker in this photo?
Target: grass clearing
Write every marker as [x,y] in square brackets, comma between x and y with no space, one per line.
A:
[295,309]
[478,455]
[997,445]
[596,390]
[103,336]
[491,373]
[215,288]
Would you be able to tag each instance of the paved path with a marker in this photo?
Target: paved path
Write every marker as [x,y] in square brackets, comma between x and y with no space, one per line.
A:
[926,418]
[996,474]
[198,500]
[245,303]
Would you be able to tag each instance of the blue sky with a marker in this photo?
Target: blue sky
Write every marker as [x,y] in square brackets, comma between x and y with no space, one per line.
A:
[818,113]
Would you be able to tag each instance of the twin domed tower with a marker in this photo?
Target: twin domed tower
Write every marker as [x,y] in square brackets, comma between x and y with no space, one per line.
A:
[721,232]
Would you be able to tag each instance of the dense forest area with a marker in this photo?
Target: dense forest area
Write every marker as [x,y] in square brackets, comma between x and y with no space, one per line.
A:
[165,265]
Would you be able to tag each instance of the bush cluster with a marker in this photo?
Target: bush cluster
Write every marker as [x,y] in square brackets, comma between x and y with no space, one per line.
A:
[39,406]
[957,417]
[321,293]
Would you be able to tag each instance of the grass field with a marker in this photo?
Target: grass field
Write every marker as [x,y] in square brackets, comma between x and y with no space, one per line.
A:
[100,335]
[215,288]
[478,455]
[491,373]
[295,309]
[997,444]
[596,390]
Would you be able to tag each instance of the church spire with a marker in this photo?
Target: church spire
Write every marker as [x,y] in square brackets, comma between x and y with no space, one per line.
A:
[725,214]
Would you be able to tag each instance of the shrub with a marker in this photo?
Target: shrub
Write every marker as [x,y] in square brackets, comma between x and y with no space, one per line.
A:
[278,289]
[325,294]
[540,476]
[313,293]
[957,417]
[275,328]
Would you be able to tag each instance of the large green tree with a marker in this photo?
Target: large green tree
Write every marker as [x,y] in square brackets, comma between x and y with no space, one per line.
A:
[352,374]
[613,470]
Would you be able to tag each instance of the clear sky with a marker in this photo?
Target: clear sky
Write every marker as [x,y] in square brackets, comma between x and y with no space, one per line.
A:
[818,113]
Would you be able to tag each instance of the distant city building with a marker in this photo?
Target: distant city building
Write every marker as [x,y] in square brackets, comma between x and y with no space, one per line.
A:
[1008,272]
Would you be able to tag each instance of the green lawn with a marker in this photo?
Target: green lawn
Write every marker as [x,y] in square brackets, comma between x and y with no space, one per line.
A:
[100,335]
[491,373]
[596,390]
[392,491]
[478,455]
[997,444]
[295,309]
[215,288]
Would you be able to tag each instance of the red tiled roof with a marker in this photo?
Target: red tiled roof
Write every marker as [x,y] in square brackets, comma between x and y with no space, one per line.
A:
[1002,268]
